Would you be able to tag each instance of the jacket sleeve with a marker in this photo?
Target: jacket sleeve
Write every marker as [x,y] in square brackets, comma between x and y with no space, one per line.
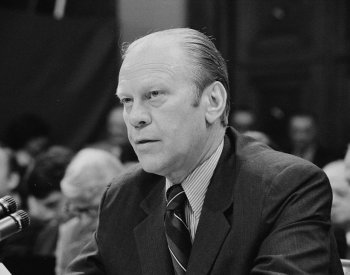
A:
[296,221]
[89,261]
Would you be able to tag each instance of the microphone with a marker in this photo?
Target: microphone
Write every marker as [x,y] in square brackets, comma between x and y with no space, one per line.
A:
[8,205]
[13,223]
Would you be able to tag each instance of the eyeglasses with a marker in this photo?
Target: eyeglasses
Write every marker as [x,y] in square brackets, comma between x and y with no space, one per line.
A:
[73,209]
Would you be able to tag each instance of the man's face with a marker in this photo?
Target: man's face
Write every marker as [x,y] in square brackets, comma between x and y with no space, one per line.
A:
[302,131]
[48,208]
[166,131]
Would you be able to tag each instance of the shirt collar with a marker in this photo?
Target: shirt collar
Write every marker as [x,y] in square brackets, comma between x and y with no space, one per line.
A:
[196,184]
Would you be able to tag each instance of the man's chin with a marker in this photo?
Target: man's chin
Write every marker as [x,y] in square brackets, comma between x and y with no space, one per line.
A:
[151,169]
[151,166]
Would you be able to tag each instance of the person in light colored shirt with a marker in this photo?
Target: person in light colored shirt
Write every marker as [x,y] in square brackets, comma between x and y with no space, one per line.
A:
[116,140]
[83,185]
[9,174]
[338,173]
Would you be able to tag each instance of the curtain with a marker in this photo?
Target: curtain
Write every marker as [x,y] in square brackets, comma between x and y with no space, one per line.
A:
[64,71]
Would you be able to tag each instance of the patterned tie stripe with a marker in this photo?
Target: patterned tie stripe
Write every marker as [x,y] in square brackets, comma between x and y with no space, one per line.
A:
[178,236]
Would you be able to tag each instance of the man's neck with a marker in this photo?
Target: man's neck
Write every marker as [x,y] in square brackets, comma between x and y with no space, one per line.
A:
[209,148]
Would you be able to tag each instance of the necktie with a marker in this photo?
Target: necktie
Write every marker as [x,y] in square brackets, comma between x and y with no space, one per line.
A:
[176,230]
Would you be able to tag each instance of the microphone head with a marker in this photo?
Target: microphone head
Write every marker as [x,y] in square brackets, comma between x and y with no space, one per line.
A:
[22,218]
[8,205]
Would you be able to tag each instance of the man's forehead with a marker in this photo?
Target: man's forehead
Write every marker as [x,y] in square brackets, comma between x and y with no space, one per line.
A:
[155,57]
[157,62]
[147,69]
[148,75]
[156,47]
[155,40]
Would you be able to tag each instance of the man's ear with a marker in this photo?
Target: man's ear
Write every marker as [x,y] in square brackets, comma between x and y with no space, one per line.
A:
[215,97]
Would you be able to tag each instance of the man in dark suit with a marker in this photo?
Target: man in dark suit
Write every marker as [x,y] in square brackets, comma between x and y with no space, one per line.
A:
[247,209]
[304,140]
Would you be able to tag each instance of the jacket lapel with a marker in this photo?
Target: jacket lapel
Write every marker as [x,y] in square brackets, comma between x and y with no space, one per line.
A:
[214,225]
[149,233]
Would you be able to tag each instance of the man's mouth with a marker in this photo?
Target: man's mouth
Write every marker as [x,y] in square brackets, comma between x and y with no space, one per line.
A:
[145,141]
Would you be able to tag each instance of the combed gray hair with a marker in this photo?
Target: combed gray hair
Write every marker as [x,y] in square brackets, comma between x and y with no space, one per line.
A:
[88,174]
[209,65]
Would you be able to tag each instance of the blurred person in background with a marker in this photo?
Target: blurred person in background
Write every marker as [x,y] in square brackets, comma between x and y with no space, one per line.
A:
[33,249]
[304,140]
[338,173]
[83,184]
[262,137]
[243,119]
[116,139]
[28,135]
[9,175]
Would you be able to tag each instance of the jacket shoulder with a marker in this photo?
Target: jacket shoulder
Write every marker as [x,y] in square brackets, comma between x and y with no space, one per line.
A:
[260,158]
[132,185]
[262,168]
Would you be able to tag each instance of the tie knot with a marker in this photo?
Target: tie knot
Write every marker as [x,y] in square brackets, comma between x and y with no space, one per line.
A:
[176,198]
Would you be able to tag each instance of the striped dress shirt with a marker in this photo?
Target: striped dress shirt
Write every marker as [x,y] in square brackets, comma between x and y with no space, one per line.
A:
[195,186]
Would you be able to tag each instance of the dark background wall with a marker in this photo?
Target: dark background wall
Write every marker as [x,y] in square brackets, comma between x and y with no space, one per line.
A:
[63,71]
[283,55]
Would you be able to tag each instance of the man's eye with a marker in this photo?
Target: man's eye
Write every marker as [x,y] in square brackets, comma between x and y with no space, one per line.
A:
[153,94]
[125,100]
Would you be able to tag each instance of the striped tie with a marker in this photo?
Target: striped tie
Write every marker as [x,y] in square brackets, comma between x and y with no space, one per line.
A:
[176,230]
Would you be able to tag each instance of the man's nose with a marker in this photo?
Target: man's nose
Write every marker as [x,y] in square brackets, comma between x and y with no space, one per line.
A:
[139,115]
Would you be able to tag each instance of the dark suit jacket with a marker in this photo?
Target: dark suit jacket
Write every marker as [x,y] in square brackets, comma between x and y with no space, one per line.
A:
[265,212]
